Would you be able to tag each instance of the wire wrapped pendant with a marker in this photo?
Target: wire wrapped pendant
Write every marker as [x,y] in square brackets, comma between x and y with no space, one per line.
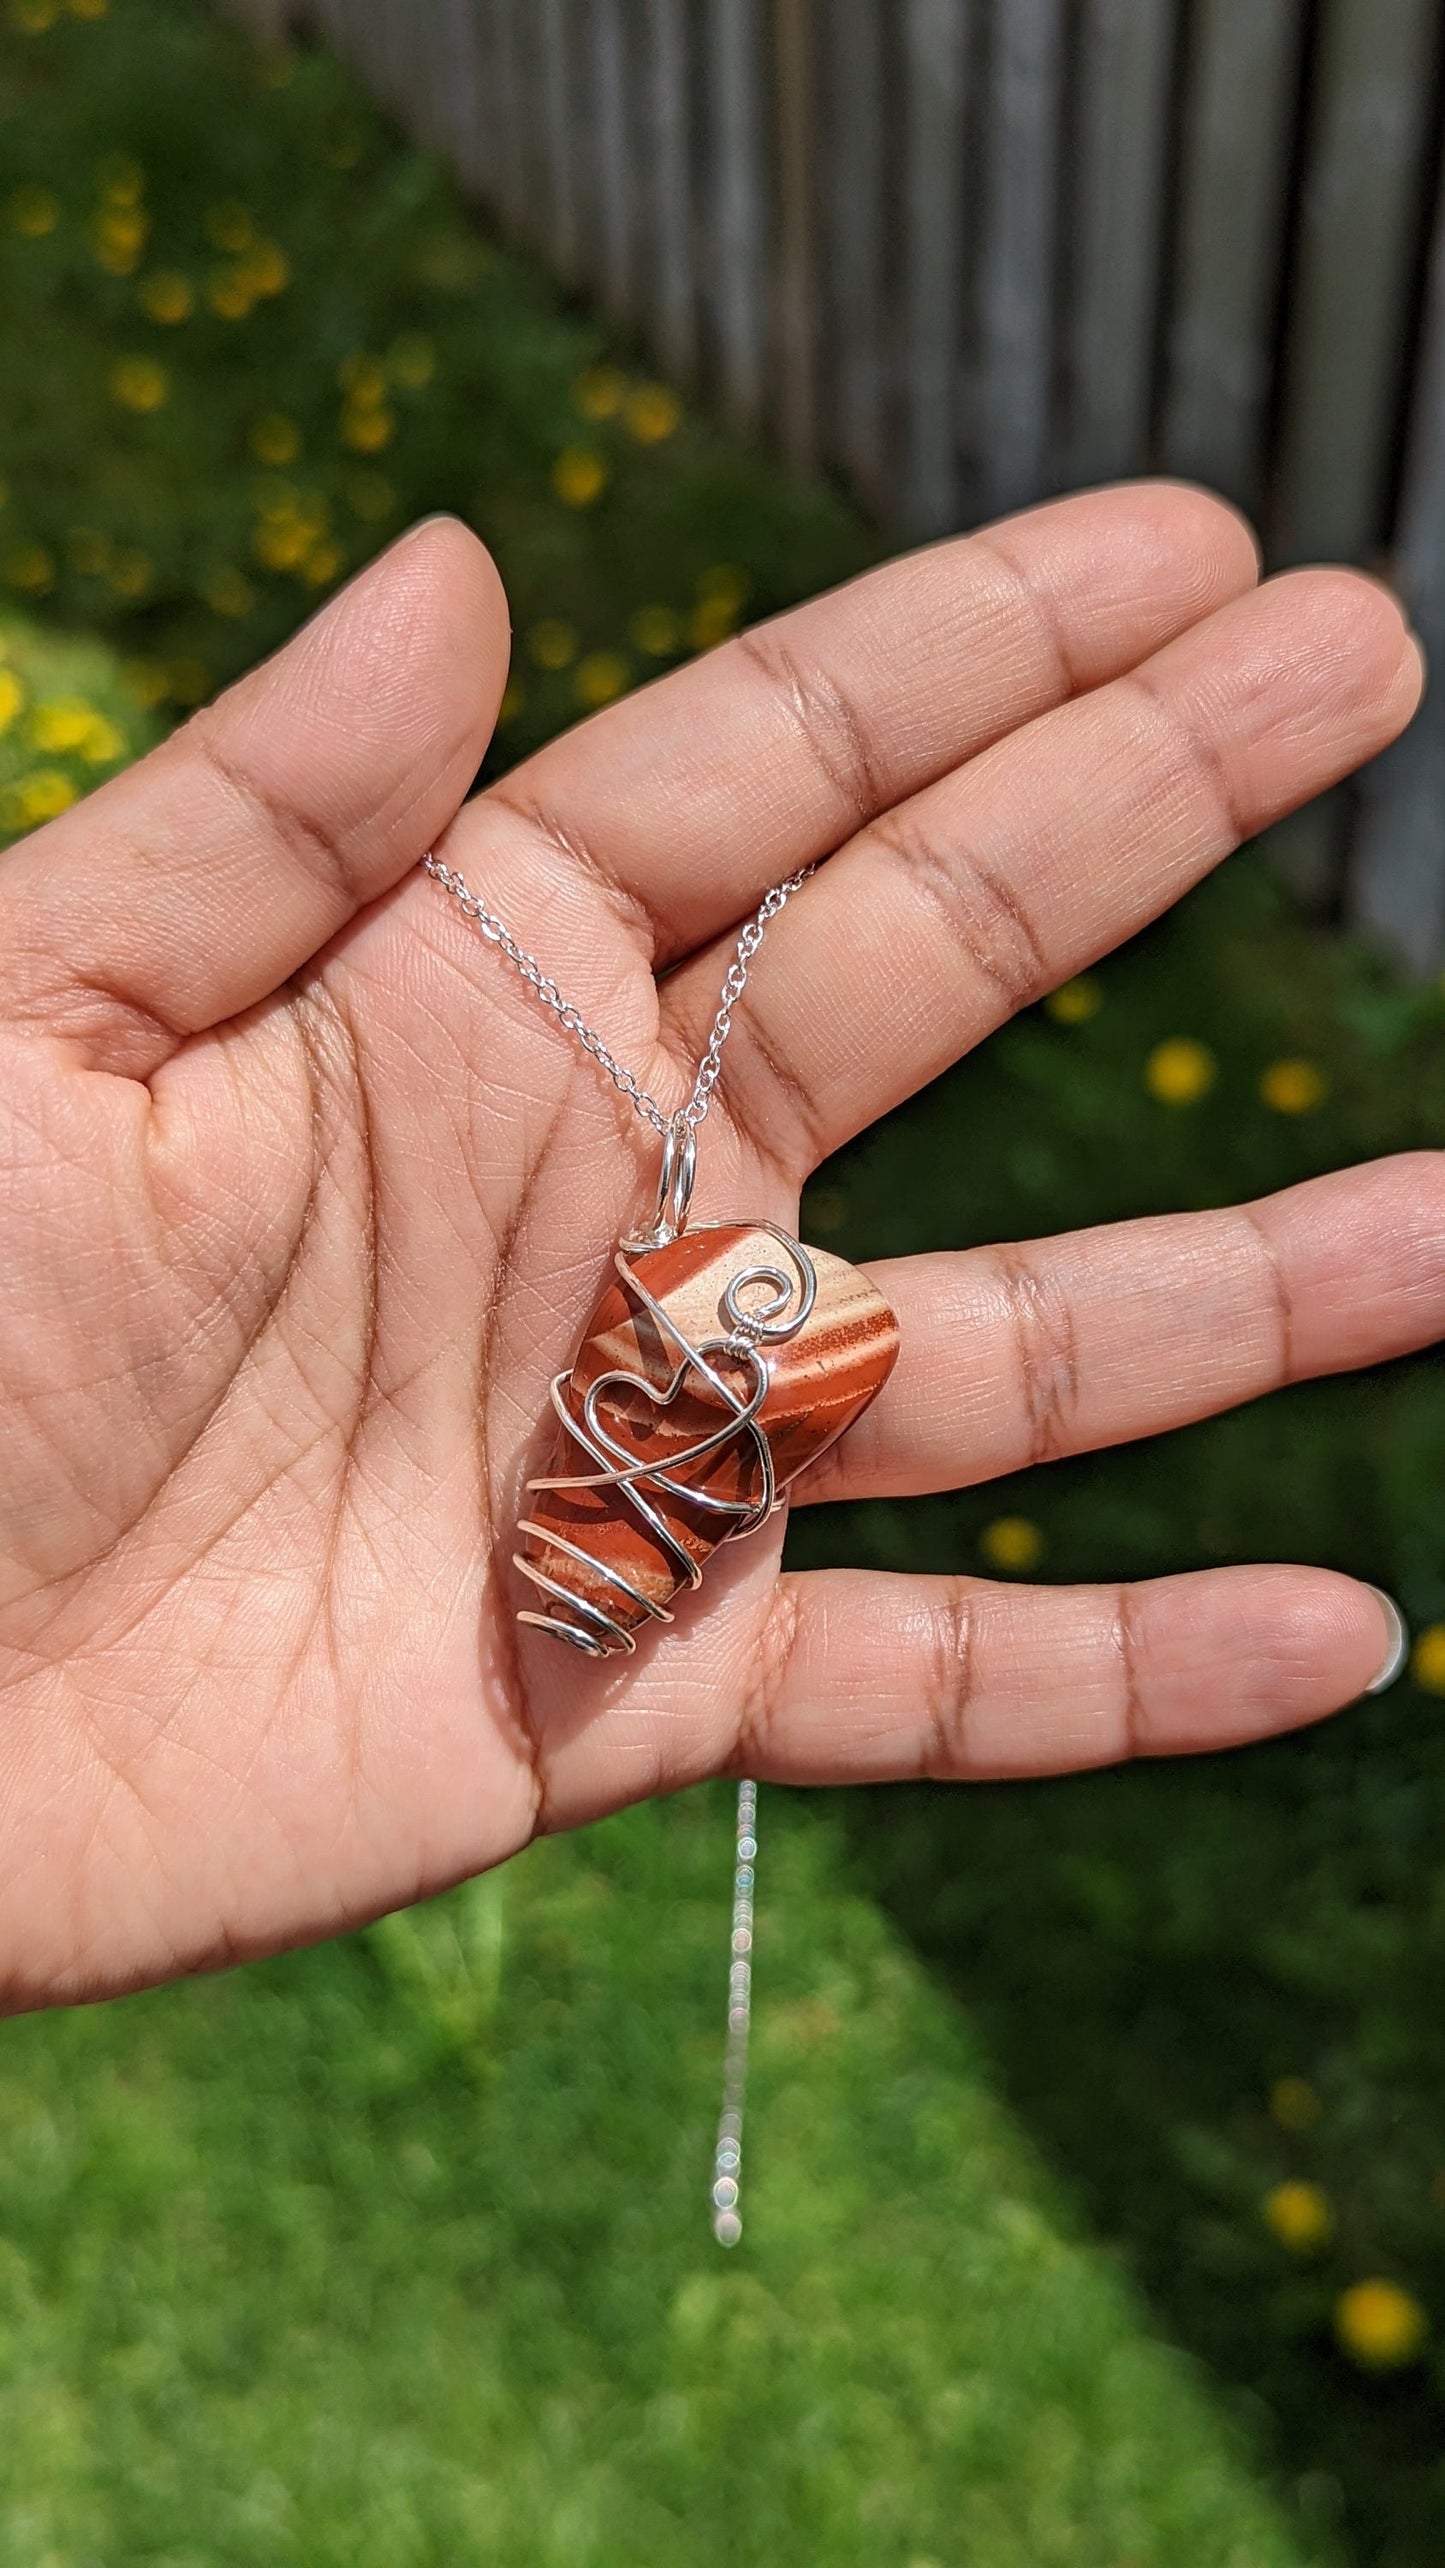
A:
[719,1363]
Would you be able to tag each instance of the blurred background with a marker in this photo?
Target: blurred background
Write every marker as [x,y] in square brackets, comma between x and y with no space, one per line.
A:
[1097,2151]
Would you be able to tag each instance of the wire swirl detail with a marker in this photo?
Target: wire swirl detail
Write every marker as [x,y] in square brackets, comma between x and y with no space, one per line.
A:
[761,1306]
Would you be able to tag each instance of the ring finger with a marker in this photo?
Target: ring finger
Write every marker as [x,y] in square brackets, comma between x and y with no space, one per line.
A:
[1019,1355]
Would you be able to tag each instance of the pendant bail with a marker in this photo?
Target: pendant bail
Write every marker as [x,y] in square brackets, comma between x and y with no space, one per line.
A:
[674,1184]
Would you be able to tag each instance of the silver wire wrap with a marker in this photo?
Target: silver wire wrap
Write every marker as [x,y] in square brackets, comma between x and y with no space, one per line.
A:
[751,1325]
[598,1633]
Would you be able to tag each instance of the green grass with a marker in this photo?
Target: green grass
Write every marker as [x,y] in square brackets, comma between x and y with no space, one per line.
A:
[396,2251]
[396,2256]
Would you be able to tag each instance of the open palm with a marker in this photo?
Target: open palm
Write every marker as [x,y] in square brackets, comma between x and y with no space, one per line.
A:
[305,1199]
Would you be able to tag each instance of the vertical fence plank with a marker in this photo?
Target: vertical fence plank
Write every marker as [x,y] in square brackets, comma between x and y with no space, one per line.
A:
[854,89]
[1115,233]
[1360,220]
[1237,145]
[670,242]
[558,140]
[1397,883]
[467,85]
[737,204]
[795,261]
[615,160]
[266,21]
[1017,297]
[512,193]
[797,172]
[935,54]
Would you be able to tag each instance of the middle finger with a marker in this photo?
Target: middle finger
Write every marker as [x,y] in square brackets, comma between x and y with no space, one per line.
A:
[970,900]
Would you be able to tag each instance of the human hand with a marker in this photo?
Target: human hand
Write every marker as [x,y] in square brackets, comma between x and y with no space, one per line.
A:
[305,1200]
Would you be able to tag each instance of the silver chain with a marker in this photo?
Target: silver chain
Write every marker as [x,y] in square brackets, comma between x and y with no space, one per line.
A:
[688,1117]
[726,2187]
[727,2164]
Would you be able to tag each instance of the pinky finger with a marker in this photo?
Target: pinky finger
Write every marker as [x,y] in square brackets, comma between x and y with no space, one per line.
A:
[869,1678]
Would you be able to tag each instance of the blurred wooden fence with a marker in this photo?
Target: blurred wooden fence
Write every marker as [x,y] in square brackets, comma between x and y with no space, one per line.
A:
[967,252]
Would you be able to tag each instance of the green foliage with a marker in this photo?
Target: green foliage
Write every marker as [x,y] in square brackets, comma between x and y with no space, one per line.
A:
[397,2256]
[1149,1953]
[251,338]
[397,2252]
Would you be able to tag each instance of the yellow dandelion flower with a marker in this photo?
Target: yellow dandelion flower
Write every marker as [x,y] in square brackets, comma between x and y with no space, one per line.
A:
[118,235]
[12,698]
[514,698]
[281,543]
[1293,1087]
[60,725]
[363,380]
[370,496]
[120,179]
[599,392]
[655,630]
[229,294]
[104,743]
[90,10]
[552,643]
[322,564]
[166,296]
[1180,1071]
[1293,2104]
[600,677]
[579,476]
[132,573]
[1074,1002]
[88,552]
[230,227]
[228,592]
[265,270]
[145,682]
[33,211]
[274,438]
[411,361]
[1012,1543]
[43,795]
[712,621]
[651,413]
[1299,2216]
[1427,1659]
[139,384]
[29,568]
[1380,2326]
[34,17]
[724,584]
[367,431]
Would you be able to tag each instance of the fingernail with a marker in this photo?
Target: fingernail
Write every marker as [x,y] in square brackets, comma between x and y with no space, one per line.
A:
[438,517]
[1399,1649]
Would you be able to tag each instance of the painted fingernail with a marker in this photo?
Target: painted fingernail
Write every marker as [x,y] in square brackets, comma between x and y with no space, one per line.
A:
[1399,1649]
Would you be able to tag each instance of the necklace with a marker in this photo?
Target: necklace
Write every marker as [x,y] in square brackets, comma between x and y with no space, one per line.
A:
[719,1362]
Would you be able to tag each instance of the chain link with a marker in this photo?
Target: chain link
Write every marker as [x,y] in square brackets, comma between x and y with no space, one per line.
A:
[497,933]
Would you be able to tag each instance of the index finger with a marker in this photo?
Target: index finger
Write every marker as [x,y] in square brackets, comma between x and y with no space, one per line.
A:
[690,797]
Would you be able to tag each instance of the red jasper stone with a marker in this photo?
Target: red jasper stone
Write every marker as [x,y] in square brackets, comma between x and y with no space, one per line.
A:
[594,1545]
